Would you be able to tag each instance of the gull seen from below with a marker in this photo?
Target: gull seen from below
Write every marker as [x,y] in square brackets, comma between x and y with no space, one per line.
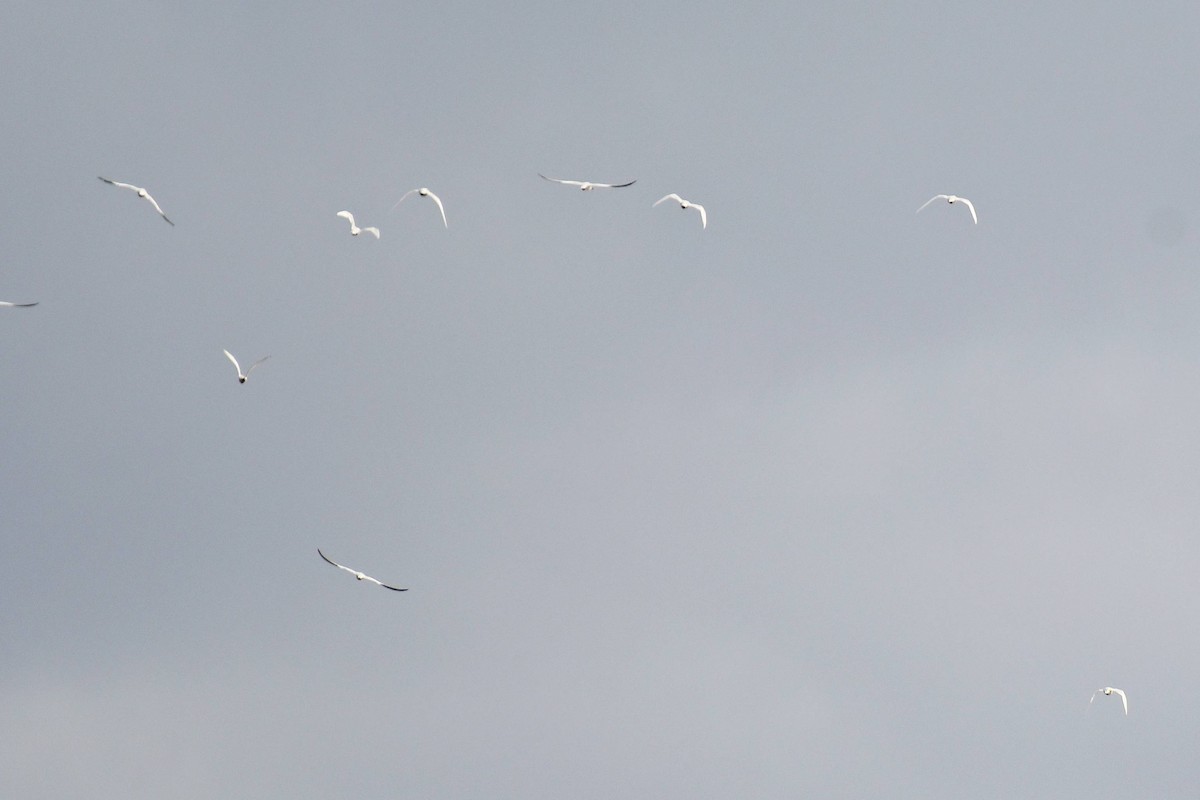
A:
[359,575]
[950,198]
[354,229]
[243,377]
[140,193]
[3,304]
[423,192]
[1108,691]
[687,204]
[587,186]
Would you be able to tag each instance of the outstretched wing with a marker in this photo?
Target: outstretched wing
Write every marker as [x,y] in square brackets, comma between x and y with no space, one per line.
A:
[930,200]
[560,180]
[615,185]
[154,203]
[393,588]
[255,364]
[346,215]
[118,183]
[17,305]
[229,355]
[972,207]
[372,230]
[1124,701]
[438,200]
[336,564]
[703,216]
[671,196]
[401,200]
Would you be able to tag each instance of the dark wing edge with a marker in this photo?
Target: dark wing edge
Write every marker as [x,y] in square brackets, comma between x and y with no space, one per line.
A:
[393,588]
[623,185]
[327,558]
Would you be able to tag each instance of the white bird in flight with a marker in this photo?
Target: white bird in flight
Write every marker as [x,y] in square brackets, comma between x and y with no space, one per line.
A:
[950,198]
[354,229]
[1108,691]
[361,576]
[587,186]
[243,377]
[140,193]
[687,204]
[16,305]
[425,193]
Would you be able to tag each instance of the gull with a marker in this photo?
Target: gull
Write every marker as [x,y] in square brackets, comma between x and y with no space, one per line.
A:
[140,193]
[687,204]
[357,574]
[1108,691]
[425,193]
[242,378]
[949,198]
[354,229]
[3,304]
[587,186]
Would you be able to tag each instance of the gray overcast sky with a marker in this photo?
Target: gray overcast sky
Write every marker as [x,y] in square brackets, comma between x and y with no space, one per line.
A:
[828,500]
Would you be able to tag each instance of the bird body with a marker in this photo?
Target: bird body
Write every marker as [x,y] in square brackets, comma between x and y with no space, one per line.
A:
[950,198]
[362,576]
[354,229]
[142,193]
[587,186]
[423,192]
[686,204]
[243,376]
[1108,691]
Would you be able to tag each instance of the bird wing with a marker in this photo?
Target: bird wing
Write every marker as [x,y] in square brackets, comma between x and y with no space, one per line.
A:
[560,180]
[118,183]
[671,196]
[154,203]
[930,200]
[401,200]
[336,564]
[372,230]
[229,355]
[438,200]
[973,215]
[615,185]
[347,216]
[393,588]
[255,364]
[703,216]
[1124,701]
[17,305]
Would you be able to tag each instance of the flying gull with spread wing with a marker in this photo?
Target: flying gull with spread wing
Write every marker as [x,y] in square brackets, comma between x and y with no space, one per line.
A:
[140,192]
[361,576]
[1108,691]
[950,198]
[587,186]
[243,377]
[687,204]
[354,229]
[423,192]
